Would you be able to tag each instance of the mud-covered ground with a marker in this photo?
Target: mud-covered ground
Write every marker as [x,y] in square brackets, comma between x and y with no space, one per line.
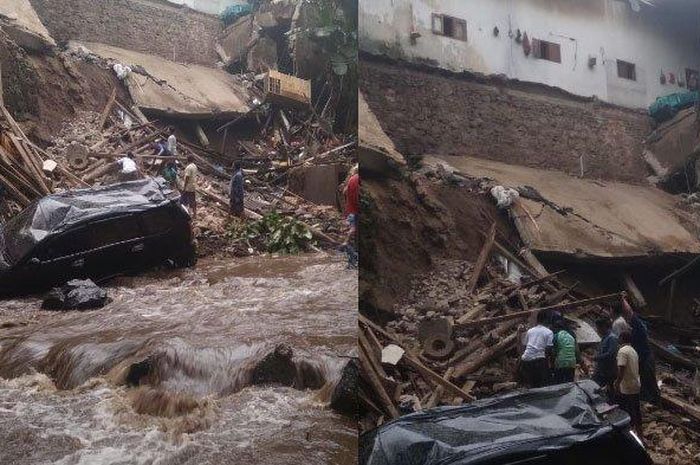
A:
[63,392]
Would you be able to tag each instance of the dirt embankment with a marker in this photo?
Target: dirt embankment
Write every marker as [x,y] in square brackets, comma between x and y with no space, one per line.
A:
[436,113]
[45,91]
[408,224]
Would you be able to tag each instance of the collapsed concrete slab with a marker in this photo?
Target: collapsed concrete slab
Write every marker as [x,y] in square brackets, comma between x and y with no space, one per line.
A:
[377,152]
[161,86]
[20,21]
[588,218]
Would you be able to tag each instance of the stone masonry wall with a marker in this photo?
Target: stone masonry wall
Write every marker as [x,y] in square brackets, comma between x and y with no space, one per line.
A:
[152,26]
[432,113]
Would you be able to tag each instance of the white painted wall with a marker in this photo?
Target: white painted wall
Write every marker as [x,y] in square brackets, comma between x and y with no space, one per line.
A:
[213,7]
[655,40]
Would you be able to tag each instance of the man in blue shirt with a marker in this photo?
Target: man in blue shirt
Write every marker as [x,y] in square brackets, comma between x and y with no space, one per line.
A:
[605,370]
[236,191]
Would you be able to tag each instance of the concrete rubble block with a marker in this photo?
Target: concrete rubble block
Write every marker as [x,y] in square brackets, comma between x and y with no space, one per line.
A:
[236,40]
[263,55]
[316,183]
[435,336]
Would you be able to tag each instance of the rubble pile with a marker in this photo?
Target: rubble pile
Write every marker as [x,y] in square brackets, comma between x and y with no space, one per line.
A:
[456,337]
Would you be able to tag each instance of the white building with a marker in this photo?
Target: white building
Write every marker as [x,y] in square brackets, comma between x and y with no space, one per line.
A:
[213,7]
[625,52]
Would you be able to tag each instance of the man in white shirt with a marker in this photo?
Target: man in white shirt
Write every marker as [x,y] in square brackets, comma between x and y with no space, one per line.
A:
[172,143]
[128,169]
[534,365]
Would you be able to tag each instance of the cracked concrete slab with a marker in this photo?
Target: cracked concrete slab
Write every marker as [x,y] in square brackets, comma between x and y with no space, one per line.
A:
[20,21]
[176,89]
[608,220]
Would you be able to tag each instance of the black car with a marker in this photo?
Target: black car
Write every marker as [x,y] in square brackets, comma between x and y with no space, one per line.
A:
[564,424]
[94,233]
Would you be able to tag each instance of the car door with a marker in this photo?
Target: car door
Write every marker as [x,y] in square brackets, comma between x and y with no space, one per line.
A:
[116,246]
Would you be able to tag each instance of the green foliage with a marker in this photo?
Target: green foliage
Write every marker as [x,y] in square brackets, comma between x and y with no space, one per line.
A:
[273,233]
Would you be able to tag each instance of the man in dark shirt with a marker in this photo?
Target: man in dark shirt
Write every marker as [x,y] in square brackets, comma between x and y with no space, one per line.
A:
[236,191]
[605,370]
[640,343]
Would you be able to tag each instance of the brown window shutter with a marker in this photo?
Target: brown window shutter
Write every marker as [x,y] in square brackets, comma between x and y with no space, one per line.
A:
[536,48]
[555,52]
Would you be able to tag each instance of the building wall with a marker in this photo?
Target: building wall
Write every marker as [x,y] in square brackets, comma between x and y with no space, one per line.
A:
[659,40]
[153,26]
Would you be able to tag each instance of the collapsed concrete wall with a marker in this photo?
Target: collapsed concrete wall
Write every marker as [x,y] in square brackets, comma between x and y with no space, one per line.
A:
[153,26]
[428,112]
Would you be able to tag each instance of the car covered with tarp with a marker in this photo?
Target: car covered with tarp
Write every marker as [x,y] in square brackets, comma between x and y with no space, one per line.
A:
[562,424]
[666,107]
[94,233]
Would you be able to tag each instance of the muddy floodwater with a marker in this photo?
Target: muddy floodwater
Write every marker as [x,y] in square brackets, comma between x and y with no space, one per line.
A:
[162,374]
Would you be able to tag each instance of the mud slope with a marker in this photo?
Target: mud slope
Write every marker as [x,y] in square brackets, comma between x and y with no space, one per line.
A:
[44,91]
[408,224]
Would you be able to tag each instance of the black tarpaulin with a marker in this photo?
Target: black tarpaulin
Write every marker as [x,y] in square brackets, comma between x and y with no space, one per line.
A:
[56,213]
[499,430]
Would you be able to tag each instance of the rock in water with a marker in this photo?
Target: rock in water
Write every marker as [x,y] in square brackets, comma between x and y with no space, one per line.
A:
[276,368]
[344,397]
[77,294]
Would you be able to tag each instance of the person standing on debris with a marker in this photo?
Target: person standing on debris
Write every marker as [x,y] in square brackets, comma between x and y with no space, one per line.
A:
[640,342]
[627,383]
[605,370]
[236,191]
[565,352]
[172,143]
[352,210]
[170,173]
[128,171]
[189,186]
[534,366]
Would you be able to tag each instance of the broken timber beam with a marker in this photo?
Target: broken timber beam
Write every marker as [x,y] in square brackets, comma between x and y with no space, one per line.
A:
[472,364]
[680,271]
[634,292]
[560,307]
[681,406]
[107,109]
[430,375]
[481,261]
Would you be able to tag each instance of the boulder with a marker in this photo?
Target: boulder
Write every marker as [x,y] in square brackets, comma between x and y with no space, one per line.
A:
[277,367]
[344,397]
[76,294]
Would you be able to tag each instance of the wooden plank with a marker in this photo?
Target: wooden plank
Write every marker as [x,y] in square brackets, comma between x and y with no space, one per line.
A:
[436,379]
[473,364]
[683,407]
[669,304]
[682,270]
[565,307]
[107,109]
[374,381]
[534,263]
[482,260]
[437,393]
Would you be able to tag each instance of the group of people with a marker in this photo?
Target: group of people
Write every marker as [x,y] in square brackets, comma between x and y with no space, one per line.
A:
[187,184]
[624,365]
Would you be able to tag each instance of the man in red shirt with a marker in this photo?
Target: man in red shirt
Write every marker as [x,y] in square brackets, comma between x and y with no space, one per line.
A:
[352,209]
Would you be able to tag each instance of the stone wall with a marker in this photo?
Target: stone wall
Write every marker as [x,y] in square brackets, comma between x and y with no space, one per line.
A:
[152,26]
[430,112]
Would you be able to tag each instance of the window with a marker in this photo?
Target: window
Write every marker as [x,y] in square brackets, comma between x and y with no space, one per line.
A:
[114,230]
[158,221]
[546,50]
[449,26]
[626,70]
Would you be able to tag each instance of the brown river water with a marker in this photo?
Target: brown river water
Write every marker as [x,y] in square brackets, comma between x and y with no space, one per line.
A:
[67,394]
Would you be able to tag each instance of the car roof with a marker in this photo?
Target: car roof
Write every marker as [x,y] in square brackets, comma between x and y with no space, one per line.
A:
[57,213]
[554,417]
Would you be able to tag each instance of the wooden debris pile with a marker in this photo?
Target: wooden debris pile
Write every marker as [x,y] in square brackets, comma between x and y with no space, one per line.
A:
[26,171]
